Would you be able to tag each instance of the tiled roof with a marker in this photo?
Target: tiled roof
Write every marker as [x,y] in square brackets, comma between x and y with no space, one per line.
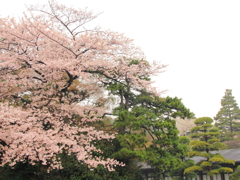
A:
[233,154]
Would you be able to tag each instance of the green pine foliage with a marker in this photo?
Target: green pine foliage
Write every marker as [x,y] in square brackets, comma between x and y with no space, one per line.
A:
[147,129]
[228,117]
[184,161]
[205,140]
[236,174]
[145,123]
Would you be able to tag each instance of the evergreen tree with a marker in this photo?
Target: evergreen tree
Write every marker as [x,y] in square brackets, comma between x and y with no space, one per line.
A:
[144,121]
[205,140]
[185,162]
[236,174]
[148,131]
[228,116]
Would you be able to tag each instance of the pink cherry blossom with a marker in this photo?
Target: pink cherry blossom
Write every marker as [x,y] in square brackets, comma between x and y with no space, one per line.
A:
[49,83]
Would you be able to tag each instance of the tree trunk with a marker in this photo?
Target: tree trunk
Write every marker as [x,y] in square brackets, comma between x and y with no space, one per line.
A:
[200,176]
[222,176]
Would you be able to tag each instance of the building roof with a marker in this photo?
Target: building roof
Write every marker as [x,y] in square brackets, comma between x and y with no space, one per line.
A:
[144,165]
[233,154]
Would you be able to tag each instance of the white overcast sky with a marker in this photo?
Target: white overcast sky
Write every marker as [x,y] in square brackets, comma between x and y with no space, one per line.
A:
[199,40]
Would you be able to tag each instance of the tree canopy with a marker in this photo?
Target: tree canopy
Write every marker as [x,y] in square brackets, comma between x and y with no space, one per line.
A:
[146,127]
[53,75]
[227,118]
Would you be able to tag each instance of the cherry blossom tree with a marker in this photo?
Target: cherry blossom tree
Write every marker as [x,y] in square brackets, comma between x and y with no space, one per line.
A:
[54,68]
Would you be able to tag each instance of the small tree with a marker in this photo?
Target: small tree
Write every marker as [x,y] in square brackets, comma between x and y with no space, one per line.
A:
[205,140]
[227,116]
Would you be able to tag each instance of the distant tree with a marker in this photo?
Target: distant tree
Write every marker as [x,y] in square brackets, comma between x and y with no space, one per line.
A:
[228,117]
[232,144]
[205,140]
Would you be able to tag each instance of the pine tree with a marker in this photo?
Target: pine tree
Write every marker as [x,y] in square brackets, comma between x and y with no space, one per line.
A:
[236,174]
[205,140]
[228,116]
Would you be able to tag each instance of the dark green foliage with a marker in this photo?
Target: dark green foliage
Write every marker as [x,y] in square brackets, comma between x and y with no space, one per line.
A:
[226,118]
[148,130]
[72,170]
[113,149]
[21,171]
[184,162]
[236,174]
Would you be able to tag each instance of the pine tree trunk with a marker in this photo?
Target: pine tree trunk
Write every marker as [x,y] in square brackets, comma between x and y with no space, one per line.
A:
[200,176]
[222,177]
